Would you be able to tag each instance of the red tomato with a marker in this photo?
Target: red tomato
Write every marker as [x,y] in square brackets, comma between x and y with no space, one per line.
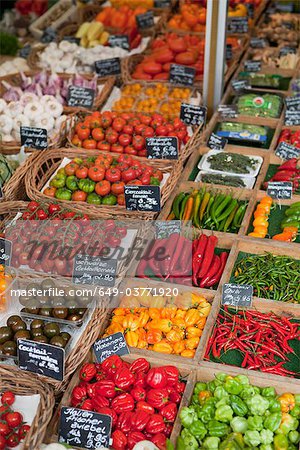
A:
[103,146]
[117,148]
[125,158]
[121,200]
[138,142]
[148,132]
[79,196]
[76,141]
[111,136]
[142,153]
[161,130]
[128,175]
[113,175]
[135,183]
[95,122]
[82,172]
[128,129]
[13,440]
[98,134]
[145,178]
[83,132]
[118,187]
[118,124]
[140,128]
[14,419]
[125,139]
[122,166]
[106,119]
[130,150]
[71,168]
[23,431]
[102,188]
[89,144]
[152,68]
[96,173]
[158,174]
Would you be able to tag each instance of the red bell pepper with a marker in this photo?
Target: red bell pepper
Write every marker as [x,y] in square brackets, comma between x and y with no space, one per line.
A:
[109,412]
[100,402]
[87,372]
[172,374]
[156,424]
[123,403]
[119,440]
[138,393]
[169,412]
[144,406]
[157,397]
[159,439]
[106,388]
[79,394]
[139,420]
[124,378]
[156,378]
[87,405]
[124,421]
[140,380]
[134,437]
[174,396]
[112,364]
[139,365]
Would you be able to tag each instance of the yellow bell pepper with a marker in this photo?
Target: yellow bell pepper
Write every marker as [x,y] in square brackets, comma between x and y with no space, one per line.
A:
[287,402]
[163,347]
[192,317]
[132,338]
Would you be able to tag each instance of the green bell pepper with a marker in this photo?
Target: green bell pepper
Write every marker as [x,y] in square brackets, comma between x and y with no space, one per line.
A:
[274,405]
[109,200]
[220,392]
[224,413]
[257,404]
[189,441]
[233,386]
[268,392]
[294,436]
[86,185]
[58,182]
[63,194]
[212,385]
[247,392]
[239,424]
[252,438]
[198,430]
[273,421]
[187,416]
[280,442]
[255,423]
[206,412]
[295,411]
[221,376]
[243,379]
[234,441]
[266,437]
[239,407]
[218,429]
[71,183]
[211,443]
[94,199]
[199,387]
[288,423]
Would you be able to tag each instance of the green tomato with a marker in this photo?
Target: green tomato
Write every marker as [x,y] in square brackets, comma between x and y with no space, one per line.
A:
[93,199]
[63,194]
[109,200]
[58,182]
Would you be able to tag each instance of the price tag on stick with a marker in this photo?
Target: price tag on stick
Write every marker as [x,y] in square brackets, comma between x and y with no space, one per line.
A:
[32,137]
[192,114]
[42,359]
[240,85]
[5,251]
[119,40]
[228,111]
[145,20]
[258,42]
[108,67]
[94,270]
[237,25]
[85,429]
[162,147]
[182,75]
[292,103]
[115,344]
[216,142]
[292,118]
[80,96]
[142,198]
[237,295]
[280,190]
[252,66]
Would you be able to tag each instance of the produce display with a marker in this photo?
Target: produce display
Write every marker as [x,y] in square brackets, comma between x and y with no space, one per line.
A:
[125,132]
[160,325]
[230,412]
[149,243]
[38,331]
[274,352]
[208,209]
[142,400]
[281,284]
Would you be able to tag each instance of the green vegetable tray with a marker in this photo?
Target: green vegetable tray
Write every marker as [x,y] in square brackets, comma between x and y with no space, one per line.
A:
[248,142]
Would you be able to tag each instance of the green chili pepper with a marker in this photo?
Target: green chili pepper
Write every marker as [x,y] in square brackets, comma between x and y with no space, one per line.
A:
[176,204]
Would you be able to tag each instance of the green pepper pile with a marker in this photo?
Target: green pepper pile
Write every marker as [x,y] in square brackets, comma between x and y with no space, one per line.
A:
[229,413]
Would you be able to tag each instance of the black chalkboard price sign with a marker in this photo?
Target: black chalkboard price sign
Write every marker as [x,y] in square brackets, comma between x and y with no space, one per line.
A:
[34,137]
[216,142]
[293,103]
[237,295]
[108,67]
[94,270]
[252,66]
[292,118]
[286,50]
[162,147]
[43,359]
[142,198]
[228,111]
[164,228]
[182,75]
[24,51]
[229,53]
[114,344]
[237,25]
[85,429]
[80,96]
[162,3]
[258,42]
[119,40]
[49,35]
[145,20]
[280,190]
[72,39]
[5,251]
[240,85]
[287,151]
[192,114]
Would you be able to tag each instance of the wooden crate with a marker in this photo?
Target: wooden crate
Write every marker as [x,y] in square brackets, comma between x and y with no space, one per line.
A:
[269,69]
[185,371]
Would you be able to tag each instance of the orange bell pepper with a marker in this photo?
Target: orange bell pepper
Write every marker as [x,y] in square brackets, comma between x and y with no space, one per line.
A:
[163,347]
[188,353]
[192,343]
[154,336]
[132,338]
[178,347]
[192,317]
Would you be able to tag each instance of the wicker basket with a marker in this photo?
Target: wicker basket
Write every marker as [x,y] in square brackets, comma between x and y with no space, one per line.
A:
[49,161]
[107,83]
[22,383]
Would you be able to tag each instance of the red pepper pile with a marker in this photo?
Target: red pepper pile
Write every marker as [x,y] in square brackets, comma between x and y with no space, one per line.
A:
[142,401]
[288,171]
[207,266]
[262,338]
[291,137]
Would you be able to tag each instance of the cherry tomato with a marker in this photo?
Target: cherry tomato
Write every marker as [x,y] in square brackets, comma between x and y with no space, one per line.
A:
[122,232]
[118,187]
[98,134]
[32,206]
[2,443]
[79,196]
[113,241]
[13,440]
[4,429]
[23,431]
[82,172]
[14,419]
[41,214]
[52,209]
[89,144]
[96,173]
[102,188]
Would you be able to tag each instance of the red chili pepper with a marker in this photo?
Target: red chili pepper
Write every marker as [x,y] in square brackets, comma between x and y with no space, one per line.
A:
[177,254]
[212,271]
[216,278]
[198,257]
[154,256]
[87,372]
[139,365]
[291,164]
[208,256]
